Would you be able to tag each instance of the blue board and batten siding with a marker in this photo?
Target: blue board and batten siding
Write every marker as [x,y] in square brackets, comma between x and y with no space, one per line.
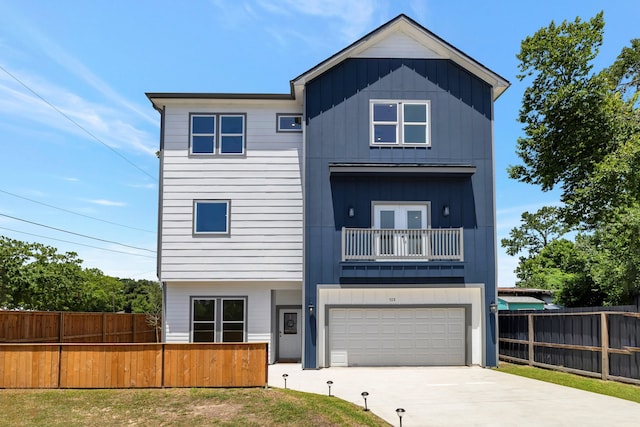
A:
[338,131]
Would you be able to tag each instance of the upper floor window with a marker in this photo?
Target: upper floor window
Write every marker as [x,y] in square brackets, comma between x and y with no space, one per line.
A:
[289,122]
[222,134]
[400,123]
[211,217]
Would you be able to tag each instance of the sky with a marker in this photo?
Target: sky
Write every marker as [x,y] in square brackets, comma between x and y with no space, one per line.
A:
[78,136]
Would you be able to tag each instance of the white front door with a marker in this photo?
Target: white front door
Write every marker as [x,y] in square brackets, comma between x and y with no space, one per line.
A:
[401,217]
[290,334]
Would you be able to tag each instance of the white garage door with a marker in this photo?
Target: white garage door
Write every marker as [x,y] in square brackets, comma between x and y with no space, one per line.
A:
[397,336]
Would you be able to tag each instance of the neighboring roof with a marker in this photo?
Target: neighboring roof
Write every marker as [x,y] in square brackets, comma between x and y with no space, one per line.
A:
[529,300]
[420,34]
[523,291]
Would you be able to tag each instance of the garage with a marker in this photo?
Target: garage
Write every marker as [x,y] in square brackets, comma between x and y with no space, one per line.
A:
[397,336]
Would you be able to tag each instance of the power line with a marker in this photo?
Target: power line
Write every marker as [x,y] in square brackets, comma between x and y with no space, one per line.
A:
[79,244]
[76,123]
[77,234]
[75,213]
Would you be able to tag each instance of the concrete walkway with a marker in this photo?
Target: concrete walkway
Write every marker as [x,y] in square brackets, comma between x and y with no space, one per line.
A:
[461,396]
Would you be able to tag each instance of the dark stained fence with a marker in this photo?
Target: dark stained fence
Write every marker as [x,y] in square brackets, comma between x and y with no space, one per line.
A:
[603,344]
[72,327]
[133,365]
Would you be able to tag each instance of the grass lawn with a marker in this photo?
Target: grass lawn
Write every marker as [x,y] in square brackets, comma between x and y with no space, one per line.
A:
[610,388]
[179,407]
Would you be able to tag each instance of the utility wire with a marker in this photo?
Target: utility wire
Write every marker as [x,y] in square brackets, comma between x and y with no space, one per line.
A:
[79,244]
[77,124]
[76,234]
[75,213]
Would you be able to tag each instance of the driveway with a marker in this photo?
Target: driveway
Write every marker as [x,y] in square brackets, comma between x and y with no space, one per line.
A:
[460,396]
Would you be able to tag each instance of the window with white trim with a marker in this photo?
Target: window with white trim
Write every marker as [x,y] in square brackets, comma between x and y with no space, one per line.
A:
[211,217]
[400,123]
[289,122]
[218,319]
[221,134]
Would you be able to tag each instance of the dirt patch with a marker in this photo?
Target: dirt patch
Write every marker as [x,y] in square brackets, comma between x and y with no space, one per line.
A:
[221,411]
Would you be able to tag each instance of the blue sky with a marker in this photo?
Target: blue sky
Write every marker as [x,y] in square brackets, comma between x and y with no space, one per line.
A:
[78,135]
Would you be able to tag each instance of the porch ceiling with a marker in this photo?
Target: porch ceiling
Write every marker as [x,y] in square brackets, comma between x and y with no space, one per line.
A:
[401,168]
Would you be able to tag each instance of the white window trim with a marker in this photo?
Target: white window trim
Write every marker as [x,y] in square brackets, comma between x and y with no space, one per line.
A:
[288,130]
[399,123]
[218,316]
[393,204]
[243,134]
[214,321]
[227,232]
[217,134]
[191,134]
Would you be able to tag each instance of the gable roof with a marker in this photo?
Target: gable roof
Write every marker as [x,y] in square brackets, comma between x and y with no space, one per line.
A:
[432,47]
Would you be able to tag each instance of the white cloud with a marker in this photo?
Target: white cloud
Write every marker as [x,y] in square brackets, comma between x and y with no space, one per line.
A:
[104,202]
[149,186]
[45,45]
[352,19]
[84,118]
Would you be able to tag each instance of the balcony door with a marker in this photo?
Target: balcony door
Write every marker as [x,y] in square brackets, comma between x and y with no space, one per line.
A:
[401,228]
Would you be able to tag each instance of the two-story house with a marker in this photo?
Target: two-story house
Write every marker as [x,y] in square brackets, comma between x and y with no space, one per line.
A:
[349,222]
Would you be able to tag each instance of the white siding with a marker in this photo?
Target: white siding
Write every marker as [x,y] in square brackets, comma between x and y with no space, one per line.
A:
[398,45]
[265,190]
[259,306]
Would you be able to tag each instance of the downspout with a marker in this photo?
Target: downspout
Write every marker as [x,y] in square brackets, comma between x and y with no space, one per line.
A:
[159,233]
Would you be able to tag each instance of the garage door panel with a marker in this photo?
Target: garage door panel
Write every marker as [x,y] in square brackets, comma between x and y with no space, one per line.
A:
[398,336]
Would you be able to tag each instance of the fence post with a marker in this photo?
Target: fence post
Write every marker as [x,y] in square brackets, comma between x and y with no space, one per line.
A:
[604,337]
[61,326]
[133,328]
[530,333]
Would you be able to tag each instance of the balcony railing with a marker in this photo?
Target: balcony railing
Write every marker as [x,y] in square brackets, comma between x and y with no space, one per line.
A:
[430,244]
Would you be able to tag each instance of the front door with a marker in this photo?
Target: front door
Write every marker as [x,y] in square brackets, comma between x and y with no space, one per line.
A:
[403,224]
[290,335]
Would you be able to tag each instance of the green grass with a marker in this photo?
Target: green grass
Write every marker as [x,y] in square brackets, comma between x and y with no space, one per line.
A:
[609,388]
[179,407]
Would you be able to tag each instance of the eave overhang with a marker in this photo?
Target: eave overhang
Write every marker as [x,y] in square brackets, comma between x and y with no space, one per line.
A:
[401,168]
[421,35]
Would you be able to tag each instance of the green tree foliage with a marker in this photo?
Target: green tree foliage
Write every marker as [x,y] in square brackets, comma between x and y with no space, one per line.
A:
[34,276]
[536,231]
[581,134]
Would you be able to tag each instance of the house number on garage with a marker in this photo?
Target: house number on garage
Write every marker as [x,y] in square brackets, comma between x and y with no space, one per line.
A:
[392,299]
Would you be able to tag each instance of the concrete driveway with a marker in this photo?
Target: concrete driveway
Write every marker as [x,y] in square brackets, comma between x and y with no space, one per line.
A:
[460,396]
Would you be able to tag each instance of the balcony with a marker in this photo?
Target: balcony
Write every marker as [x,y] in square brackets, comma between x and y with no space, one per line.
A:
[430,244]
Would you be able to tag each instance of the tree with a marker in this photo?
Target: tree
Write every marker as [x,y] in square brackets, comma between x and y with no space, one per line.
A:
[36,277]
[582,134]
[575,118]
[536,231]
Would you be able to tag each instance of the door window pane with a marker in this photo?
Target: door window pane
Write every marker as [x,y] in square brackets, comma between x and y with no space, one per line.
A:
[387,219]
[290,323]
[414,219]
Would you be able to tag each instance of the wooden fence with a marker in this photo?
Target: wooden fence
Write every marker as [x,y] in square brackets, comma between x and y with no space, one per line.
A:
[133,365]
[599,344]
[61,327]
